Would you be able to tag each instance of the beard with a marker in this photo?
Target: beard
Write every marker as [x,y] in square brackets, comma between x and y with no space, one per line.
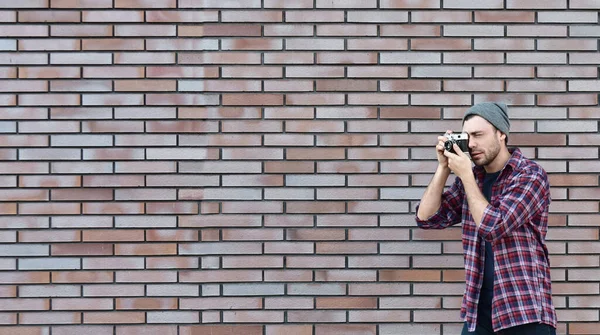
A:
[487,156]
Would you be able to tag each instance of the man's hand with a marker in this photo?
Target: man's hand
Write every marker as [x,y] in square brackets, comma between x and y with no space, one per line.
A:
[459,163]
[439,150]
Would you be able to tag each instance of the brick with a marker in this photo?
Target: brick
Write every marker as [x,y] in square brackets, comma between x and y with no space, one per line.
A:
[314,44]
[113,317]
[568,17]
[318,317]
[528,58]
[281,30]
[329,16]
[504,44]
[253,44]
[432,4]
[569,99]
[250,16]
[83,30]
[81,3]
[308,207]
[566,71]
[145,4]
[289,329]
[80,86]
[182,16]
[379,316]
[551,4]
[237,30]
[84,330]
[23,30]
[8,72]
[113,16]
[144,58]
[49,318]
[473,30]
[222,329]
[371,262]
[387,44]
[8,16]
[539,31]
[378,16]
[14,58]
[583,58]
[505,16]
[566,44]
[473,85]
[347,30]
[112,44]
[440,44]
[288,4]
[583,327]
[486,4]
[49,16]
[433,16]
[410,30]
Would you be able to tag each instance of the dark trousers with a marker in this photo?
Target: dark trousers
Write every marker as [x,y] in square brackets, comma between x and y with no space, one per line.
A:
[526,329]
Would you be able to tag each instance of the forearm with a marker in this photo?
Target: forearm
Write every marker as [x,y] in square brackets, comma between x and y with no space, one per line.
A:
[432,198]
[476,200]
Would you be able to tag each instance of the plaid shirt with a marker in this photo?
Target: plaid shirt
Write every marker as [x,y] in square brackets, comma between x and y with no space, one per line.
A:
[515,222]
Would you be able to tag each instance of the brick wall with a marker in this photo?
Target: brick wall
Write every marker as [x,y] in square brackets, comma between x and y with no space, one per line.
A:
[252,167]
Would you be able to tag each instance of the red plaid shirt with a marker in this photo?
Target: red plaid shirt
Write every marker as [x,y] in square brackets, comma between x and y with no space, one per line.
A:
[515,222]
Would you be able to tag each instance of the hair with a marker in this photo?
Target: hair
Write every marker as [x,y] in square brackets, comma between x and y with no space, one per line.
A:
[506,136]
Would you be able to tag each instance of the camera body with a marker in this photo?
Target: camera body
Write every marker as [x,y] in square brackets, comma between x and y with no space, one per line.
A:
[462,140]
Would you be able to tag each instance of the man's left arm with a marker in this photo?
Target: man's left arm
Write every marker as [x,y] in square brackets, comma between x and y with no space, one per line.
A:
[525,197]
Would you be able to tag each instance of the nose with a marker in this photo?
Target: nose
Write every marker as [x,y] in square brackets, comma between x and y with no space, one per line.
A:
[471,143]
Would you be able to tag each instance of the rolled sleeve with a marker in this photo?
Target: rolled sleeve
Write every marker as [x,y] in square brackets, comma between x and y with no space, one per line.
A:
[450,210]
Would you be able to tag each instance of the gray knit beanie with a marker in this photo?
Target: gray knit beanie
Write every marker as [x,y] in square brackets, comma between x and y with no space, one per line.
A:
[494,112]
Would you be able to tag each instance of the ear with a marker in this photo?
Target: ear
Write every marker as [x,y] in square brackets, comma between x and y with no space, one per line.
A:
[502,136]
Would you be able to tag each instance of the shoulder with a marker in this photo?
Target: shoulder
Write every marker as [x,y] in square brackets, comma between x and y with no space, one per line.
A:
[526,170]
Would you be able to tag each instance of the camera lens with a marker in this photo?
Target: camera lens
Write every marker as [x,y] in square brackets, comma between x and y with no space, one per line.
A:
[448,145]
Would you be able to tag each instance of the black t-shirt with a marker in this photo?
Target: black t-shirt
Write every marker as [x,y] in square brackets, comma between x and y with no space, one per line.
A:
[487,290]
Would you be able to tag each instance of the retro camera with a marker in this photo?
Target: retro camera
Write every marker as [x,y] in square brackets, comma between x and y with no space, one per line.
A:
[462,140]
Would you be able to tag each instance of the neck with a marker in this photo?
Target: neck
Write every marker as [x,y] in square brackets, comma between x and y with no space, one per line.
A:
[499,162]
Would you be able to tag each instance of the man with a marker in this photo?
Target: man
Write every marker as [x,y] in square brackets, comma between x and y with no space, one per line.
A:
[502,203]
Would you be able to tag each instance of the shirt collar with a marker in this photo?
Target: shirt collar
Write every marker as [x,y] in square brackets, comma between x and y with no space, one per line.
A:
[512,163]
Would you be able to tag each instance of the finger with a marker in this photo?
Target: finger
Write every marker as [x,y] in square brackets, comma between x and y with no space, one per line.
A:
[457,150]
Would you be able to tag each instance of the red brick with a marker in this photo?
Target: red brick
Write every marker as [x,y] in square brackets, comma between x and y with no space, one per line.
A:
[81,4]
[505,16]
[222,329]
[289,329]
[113,317]
[145,3]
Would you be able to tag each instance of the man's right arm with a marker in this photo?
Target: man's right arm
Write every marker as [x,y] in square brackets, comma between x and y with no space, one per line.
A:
[435,201]
[432,198]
